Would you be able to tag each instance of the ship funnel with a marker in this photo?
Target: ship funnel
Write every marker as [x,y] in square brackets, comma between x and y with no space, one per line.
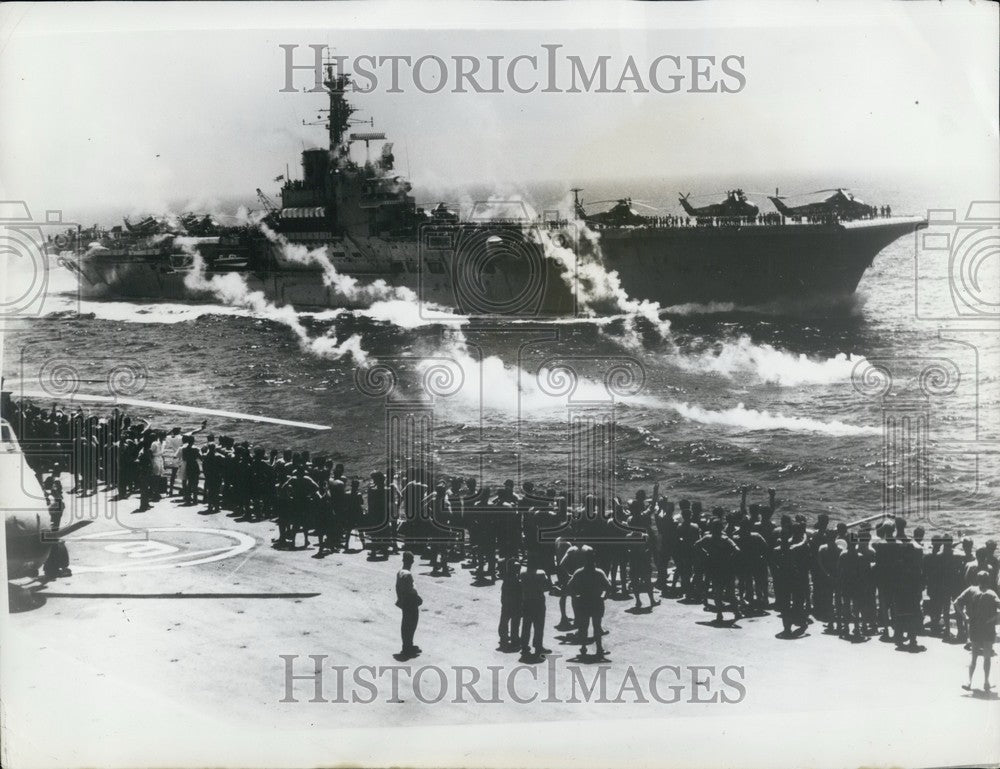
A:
[315,164]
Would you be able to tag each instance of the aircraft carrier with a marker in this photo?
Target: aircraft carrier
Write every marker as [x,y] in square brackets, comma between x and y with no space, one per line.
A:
[496,261]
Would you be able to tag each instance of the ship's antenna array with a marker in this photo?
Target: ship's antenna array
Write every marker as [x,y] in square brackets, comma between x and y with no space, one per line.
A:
[337,116]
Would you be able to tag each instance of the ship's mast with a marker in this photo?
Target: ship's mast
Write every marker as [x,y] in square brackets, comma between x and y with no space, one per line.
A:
[336,84]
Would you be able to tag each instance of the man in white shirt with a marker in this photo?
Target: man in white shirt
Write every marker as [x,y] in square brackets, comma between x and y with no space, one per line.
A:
[172,444]
[171,461]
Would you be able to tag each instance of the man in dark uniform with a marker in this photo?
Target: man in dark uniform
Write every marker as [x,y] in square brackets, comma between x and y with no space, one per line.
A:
[852,568]
[144,474]
[333,536]
[508,517]
[990,559]
[52,488]
[613,548]
[534,583]
[484,536]
[667,531]
[908,588]
[261,485]
[533,520]
[354,514]
[57,563]
[439,531]
[885,569]
[954,567]
[821,598]
[228,471]
[827,560]
[545,517]
[408,600]
[688,534]
[698,583]
[456,507]
[395,499]
[283,503]
[190,457]
[470,519]
[791,578]
[509,628]
[570,557]
[377,520]
[867,604]
[640,567]
[938,600]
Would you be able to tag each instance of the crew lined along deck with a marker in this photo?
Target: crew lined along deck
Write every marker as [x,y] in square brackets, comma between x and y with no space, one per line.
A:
[858,580]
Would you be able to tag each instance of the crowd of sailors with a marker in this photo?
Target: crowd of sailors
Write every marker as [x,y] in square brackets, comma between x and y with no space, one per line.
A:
[859,580]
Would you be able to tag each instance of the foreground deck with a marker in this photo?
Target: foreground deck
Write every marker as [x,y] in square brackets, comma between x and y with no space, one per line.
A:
[165,650]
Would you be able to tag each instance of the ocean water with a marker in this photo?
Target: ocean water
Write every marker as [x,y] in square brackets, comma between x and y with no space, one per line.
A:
[702,399]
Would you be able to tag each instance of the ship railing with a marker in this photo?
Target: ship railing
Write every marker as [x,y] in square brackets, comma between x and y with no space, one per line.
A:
[501,222]
[727,222]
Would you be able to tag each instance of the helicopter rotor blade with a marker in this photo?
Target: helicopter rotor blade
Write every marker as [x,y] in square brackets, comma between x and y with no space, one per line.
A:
[708,194]
[815,192]
[725,193]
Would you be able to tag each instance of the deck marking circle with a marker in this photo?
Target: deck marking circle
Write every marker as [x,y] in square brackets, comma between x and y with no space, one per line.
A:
[154,553]
[146,549]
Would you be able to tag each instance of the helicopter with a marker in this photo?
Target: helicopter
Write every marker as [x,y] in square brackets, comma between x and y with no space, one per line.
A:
[735,204]
[621,214]
[841,204]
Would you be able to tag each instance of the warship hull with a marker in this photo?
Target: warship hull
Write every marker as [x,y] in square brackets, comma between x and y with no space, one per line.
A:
[749,265]
[744,265]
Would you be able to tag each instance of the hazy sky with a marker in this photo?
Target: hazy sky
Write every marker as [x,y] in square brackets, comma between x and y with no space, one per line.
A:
[134,105]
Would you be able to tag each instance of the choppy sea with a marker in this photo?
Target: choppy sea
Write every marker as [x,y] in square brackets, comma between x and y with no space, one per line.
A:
[703,398]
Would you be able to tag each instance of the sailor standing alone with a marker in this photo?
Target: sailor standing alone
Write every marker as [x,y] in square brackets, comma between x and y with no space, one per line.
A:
[408,600]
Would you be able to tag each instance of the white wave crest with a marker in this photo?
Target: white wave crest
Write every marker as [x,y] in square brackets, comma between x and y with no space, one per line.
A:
[409,314]
[751,420]
[764,363]
[231,289]
[492,386]
[599,291]
[696,308]
[163,313]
